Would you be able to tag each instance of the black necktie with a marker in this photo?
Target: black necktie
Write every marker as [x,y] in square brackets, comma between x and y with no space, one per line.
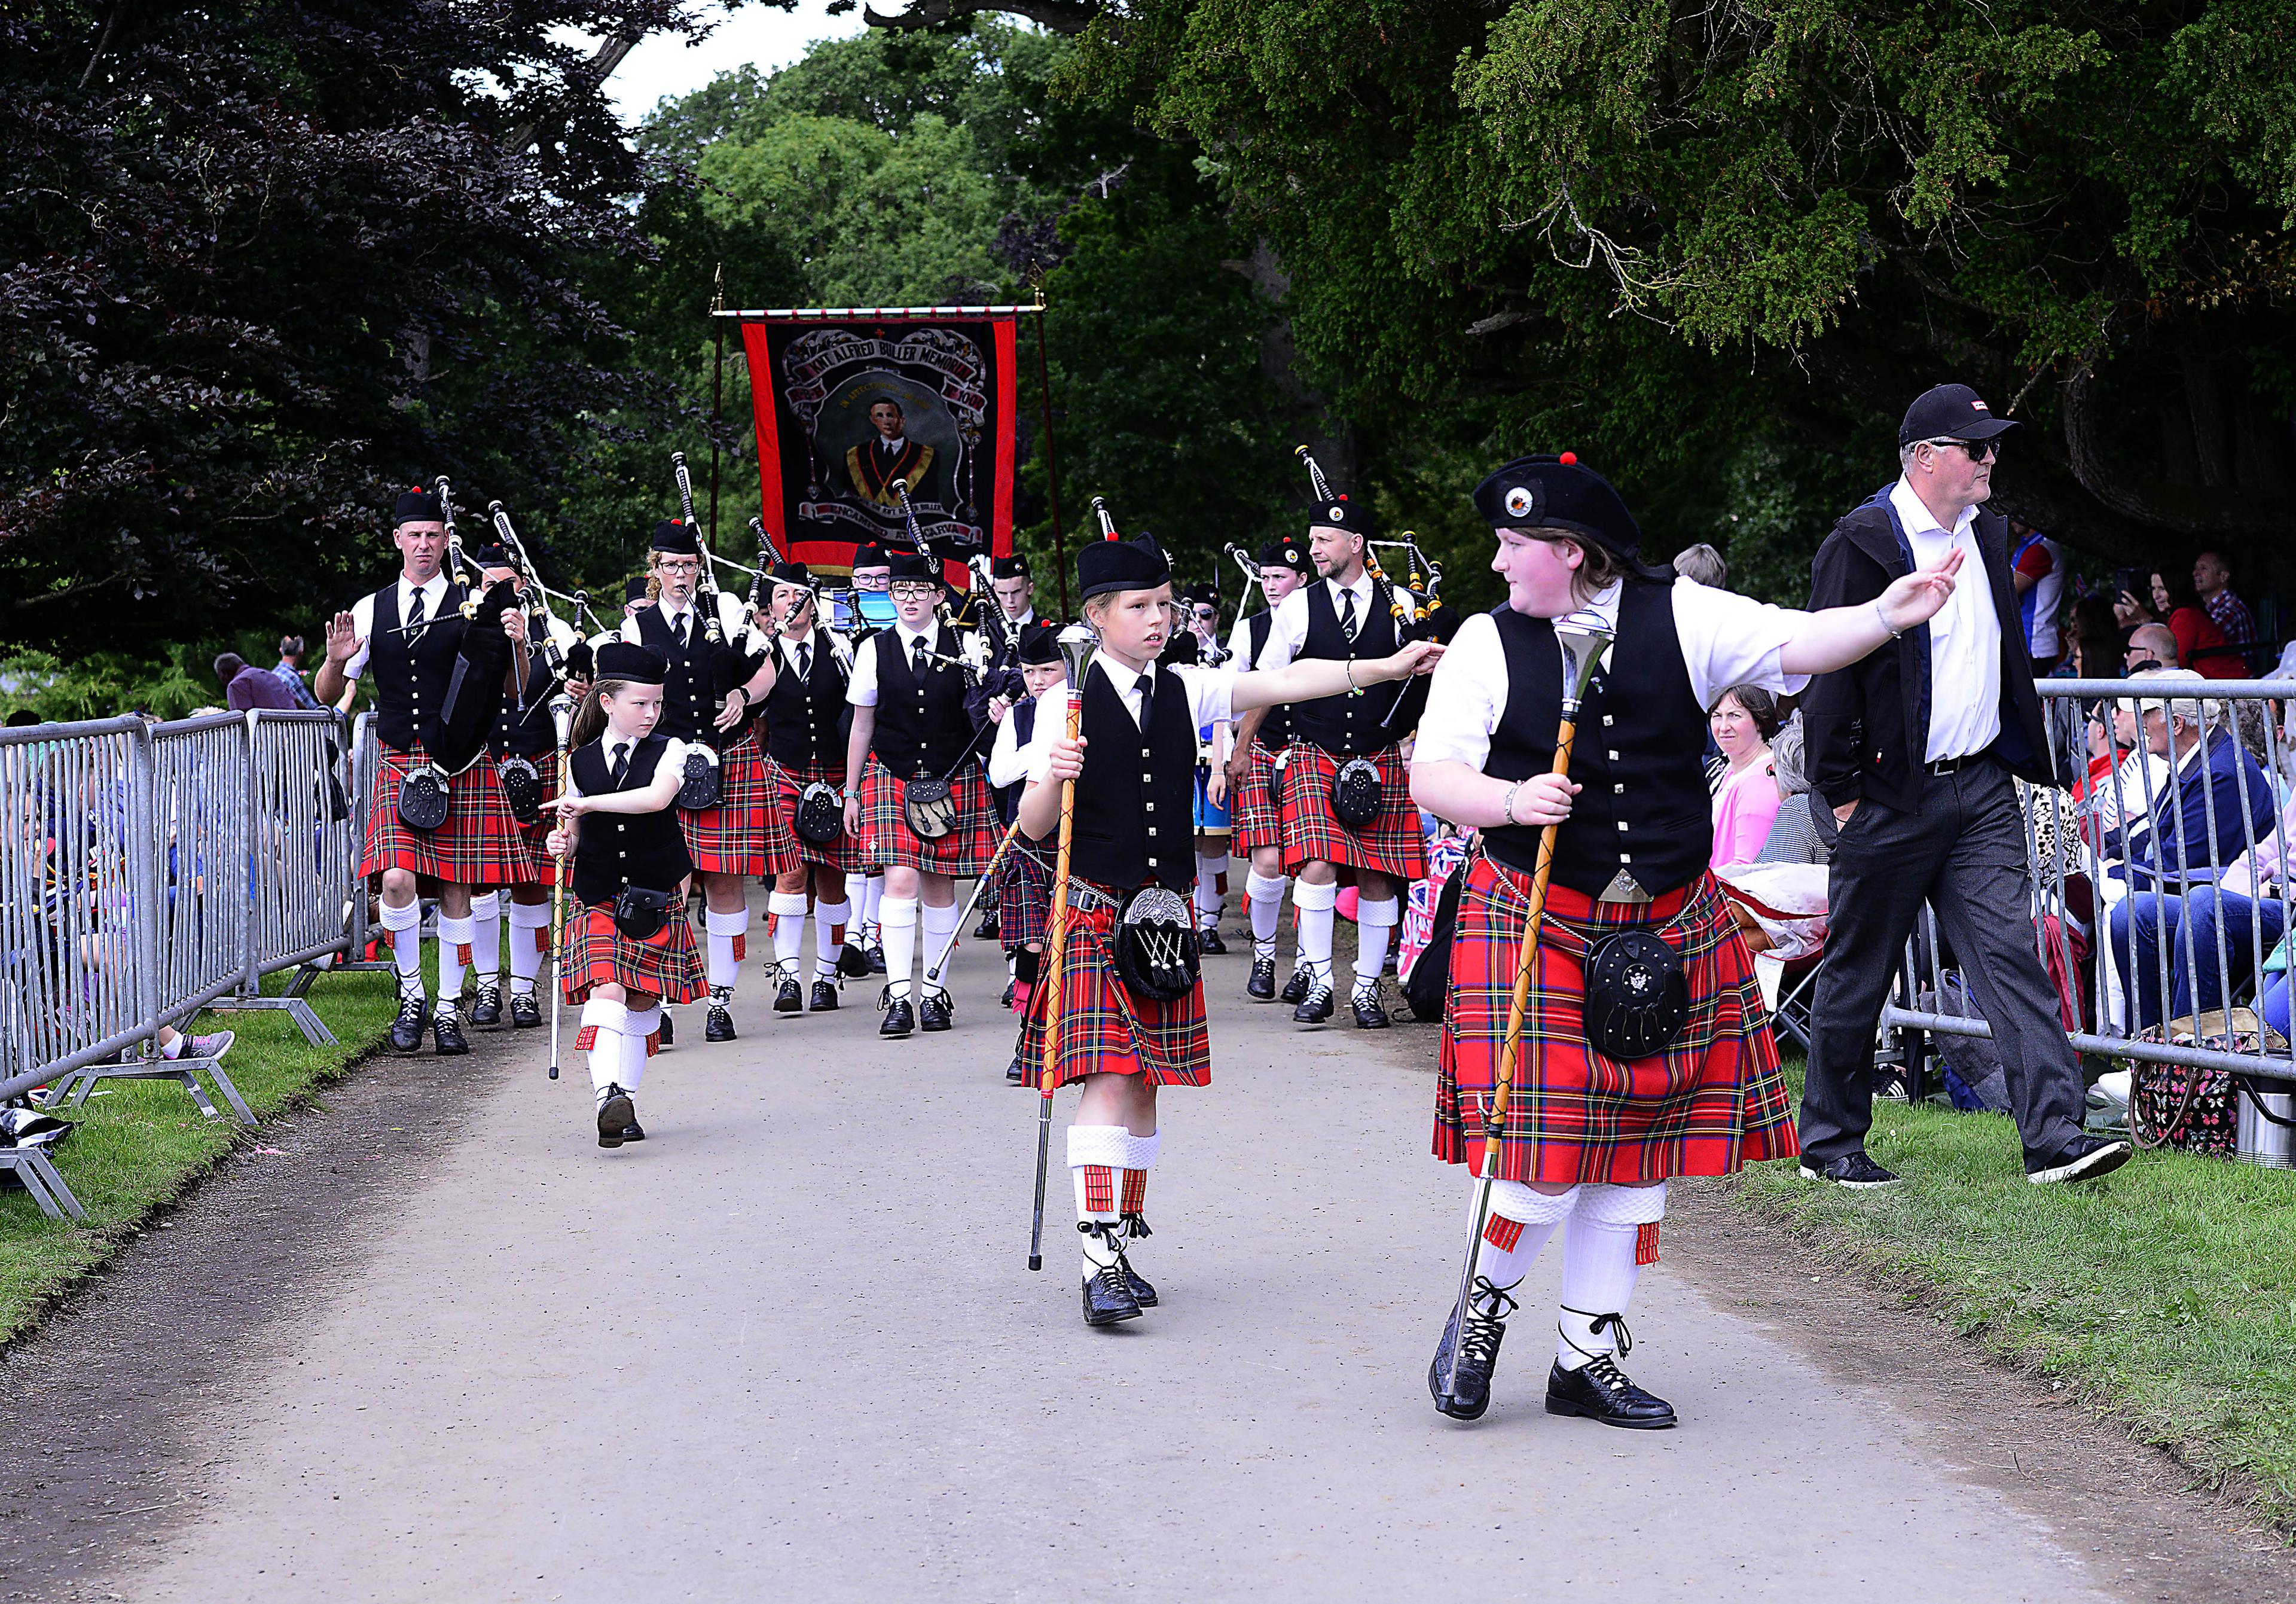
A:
[919,656]
[1347,614]
[804,660]
[1147,698]
[683,620]
[414,618]
[621,762]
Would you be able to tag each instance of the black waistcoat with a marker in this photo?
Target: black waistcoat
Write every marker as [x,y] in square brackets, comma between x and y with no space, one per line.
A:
[1023,715]
[802,719]
[1351,725]
[1275,729]
[411,672]
[644,850]
[1135,800]
[921,726]
[1641,735]
[689,706]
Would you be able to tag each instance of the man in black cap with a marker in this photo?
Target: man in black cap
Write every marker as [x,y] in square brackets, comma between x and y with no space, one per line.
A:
[864,887]
[1255,777]
[1916,749]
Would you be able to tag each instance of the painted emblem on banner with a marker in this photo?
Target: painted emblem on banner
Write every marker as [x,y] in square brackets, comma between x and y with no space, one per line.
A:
[888,412]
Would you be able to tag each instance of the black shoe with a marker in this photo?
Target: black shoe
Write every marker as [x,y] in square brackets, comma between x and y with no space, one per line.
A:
[853,963]
[791,997]
[1599,1390]
[1143,1293]
[488,1009]
[1262,986]
[1016,1071]
[1370,1014]
[1464,1392]
[1317,1006]
[899,1019]
[665,1027]
[824,997]
[615,1115]
[720,1025]
[1295,989]
[989,929]
[447,1034]
[1855,1171]
[1005,1002]
[1107,1299]
[634,1132]
[2088,1158]
[525,1011]
[413,1016]
[1207,941]
[876,960]
[936,1012]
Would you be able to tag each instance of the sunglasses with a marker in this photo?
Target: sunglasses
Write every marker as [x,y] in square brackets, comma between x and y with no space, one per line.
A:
[1977,449]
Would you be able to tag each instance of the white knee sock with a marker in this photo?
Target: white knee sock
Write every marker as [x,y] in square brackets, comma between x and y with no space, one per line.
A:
[530,938]
[856,898]
[1209,899]
[1263,895]
[1139,1158]
[939,926]
[1518,1225]
[787,908]
[486,937]
[405,925]
[1098,1157]
[453,957]
[637,1044]
[1374,923]
[873,904]
[729,940]
[601,1036]
[828,937]
[1613,1234]
[1315,903]
[899,915]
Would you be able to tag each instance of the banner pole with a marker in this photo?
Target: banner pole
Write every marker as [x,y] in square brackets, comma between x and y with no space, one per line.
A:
[717,394]
[1052,470]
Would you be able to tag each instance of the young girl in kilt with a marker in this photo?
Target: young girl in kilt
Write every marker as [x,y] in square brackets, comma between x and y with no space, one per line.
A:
[1587,1137]
[623,778]
[1024,880]
[1132,827]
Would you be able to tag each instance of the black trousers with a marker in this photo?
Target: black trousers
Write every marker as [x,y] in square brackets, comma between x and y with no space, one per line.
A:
[1965,854]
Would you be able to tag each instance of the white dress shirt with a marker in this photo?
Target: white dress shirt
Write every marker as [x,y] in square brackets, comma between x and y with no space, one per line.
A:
[1212,694]
[434,593]
[861,690]
[1288,631]
[673,759]
[1965,637]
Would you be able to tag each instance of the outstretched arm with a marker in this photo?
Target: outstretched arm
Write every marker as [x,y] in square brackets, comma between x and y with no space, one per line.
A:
[1311,678]
[1840,636]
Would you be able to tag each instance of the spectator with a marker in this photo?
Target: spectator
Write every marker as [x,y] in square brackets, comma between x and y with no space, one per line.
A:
[289,671]
[1804,830]
[1742,721]
[245,686]
[2214,934]
[2212,583]
[21,716]
[2150,647]
[1702,565]
[2037,572]
[2200,644]
[2096,639]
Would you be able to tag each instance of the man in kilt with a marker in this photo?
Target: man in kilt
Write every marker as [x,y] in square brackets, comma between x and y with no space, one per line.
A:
[741,835]
[628,952]
[411,634]
[1255,777]
[864,887]
[1024,879]
[1348,614]
[804,707]
[1589,1138]
[1129,1023]
[910,729]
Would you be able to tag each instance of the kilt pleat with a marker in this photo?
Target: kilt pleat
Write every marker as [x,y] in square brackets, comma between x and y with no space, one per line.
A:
[1105,1029]
[533,835]
[1256,814]
[479,844]
[1712,1102]
[887,841]
[1390,844]
[668,966]
[842,854]
[1024,896]
[746,833]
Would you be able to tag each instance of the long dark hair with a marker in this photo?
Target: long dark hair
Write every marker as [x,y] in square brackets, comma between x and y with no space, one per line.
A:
[590,718]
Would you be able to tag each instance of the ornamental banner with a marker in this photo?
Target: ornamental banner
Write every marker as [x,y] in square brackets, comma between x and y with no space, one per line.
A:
[853,408]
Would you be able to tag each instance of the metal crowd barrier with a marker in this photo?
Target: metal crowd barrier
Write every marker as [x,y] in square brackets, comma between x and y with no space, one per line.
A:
[2110,869]
[149,871]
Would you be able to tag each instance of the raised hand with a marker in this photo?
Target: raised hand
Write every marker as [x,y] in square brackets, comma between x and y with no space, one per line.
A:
[1915,599]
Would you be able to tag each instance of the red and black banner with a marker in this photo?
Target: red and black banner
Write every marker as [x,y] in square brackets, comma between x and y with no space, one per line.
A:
[853,406]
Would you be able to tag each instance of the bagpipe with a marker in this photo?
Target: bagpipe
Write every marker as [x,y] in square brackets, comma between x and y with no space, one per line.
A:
[522,781]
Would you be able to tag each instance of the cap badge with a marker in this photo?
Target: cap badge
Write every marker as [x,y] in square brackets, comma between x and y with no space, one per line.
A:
[1519,500]
[1339,514]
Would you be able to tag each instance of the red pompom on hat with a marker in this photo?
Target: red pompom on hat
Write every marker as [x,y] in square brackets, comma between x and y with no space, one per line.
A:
[1569,459]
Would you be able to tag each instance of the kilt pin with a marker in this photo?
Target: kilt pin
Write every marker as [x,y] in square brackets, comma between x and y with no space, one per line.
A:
[1256,813]
[668,965]
[1712,1102]
[1104,1028]
[842,854]
[1390,844]
[1024,897]
[887,841]
[479,844]
[747,833]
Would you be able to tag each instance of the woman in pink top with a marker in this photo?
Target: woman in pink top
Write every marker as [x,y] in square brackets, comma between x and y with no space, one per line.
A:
[1743,719]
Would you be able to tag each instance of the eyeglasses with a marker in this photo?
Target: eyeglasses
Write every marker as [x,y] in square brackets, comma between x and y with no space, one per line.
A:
[679,565]
[870,581]
[914,593]
[1977,449]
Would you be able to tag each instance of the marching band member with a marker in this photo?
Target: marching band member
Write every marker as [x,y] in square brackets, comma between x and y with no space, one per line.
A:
[911,735]
[1025,877]
[864,887]
[1254,780]
[630,948]
[1199,616]
[804,709]
[412,634]
[1132,1004]
[1588,1136]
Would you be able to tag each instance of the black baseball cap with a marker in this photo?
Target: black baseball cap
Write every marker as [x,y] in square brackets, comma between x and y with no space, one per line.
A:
[1950,412]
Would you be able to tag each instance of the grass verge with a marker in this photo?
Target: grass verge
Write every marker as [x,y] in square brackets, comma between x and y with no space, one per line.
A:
[2166,1292]
[140,1145]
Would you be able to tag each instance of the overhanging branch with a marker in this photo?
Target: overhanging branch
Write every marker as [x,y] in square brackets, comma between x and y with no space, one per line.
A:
[1061,16]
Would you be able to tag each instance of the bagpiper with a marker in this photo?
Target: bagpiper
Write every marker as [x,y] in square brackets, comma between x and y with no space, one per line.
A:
[1645,1052]
[1128,988]
[1255,778]
[437,823]
[865,886]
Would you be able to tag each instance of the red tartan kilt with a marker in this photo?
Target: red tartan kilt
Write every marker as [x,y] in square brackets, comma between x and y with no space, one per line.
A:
[478,845]
[1105,1029]
[1712,1102]
[746,833]
[1390,844]
[669,966]
[1255,815]
[1024,897]
[842,854]
[887,841]
[546,866]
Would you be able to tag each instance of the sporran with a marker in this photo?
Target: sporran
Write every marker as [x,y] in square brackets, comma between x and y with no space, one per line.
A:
[640,913]
[422,800]
[699,787]
[820,817]
[1156,955]
[929,806]
[1357,791]
[521,785]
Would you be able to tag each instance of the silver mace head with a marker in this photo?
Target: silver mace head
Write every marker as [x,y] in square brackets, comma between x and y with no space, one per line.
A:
[1077,643]
[1583,646]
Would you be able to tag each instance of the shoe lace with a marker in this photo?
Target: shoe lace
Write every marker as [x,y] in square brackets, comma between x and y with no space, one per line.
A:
[1597,1324]
[1488,1307]
[1604,1372]
[410,1006]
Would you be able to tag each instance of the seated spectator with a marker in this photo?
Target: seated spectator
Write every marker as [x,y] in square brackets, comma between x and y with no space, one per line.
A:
[2151,646]
[1804,830]
[290,672]
[2037,570]
[2212,583]
[1704,564]
[2200,644]
[1741,722]
[2097,637]
[2214,935]
[246,686]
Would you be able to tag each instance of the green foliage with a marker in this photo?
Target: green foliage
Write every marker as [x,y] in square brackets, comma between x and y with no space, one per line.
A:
[167,681]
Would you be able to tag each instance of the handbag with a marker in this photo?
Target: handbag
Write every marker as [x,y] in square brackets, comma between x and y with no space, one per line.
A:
[1156,954]
[1357,792]
[820,817]
[640,913]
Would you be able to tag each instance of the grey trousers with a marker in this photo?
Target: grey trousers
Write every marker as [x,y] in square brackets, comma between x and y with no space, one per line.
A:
[1963,853]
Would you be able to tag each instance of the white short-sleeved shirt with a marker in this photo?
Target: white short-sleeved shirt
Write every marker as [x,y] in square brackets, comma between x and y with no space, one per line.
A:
[1212,695]
[1288,631]
[1008,760]
[363,617]
[1726,639]
[861,690]
[673,760]
[1965,637]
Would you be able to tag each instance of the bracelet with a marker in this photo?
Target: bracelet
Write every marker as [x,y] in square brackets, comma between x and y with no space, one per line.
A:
[1507,807]
[1883,618]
